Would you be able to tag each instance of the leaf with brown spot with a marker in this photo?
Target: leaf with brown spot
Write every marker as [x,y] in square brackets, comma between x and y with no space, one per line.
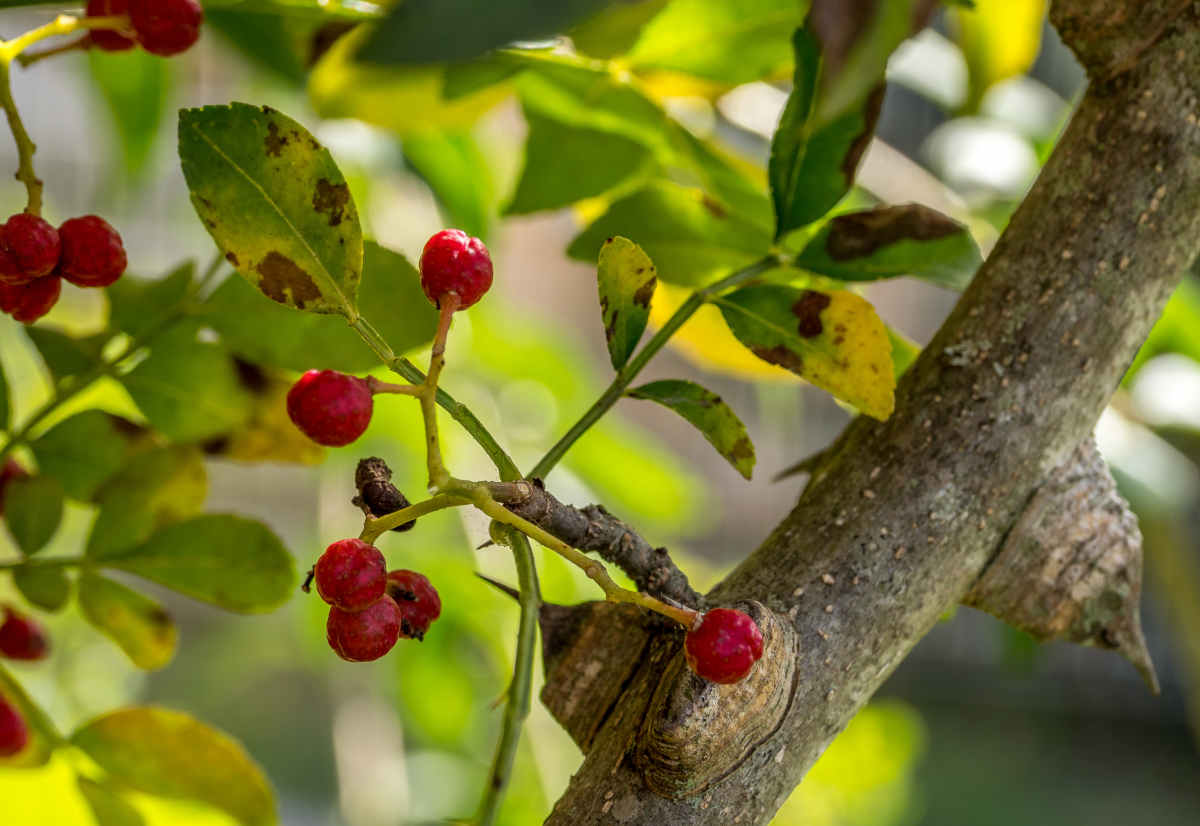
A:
[627,279]
[886,242]
[850,356]
[136,623]
[276,204]
[707,413]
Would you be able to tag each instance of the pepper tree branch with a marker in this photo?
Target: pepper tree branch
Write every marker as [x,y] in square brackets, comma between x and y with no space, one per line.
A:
[909,512]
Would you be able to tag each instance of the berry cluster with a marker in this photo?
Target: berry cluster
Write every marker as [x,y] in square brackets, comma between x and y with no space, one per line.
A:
[161,27]
[20,639]
[35,258]
[370,608]
[724,647]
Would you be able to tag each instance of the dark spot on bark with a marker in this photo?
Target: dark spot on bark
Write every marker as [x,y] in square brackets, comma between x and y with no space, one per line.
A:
[858,146]
[232,258]
[331,198]
[285,282]
[251,376]
[274,142]
[713,207]
[860,234]
[645,292]
[782,356]
[807,311]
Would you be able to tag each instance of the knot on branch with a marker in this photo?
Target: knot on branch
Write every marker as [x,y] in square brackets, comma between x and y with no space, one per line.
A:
[377,496]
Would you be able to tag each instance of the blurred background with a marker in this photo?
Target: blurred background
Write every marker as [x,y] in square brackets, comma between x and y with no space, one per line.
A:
[980,725]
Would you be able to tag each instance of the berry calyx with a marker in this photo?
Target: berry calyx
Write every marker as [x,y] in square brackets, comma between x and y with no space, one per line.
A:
[92,252]
[724,647]
[166,27]
[107,39]
[21,638]
[351,575]
[454,262]
[329,407]
[33,244]
[366,635]
[12,470]
[419,602]
[29,302]
[14,734]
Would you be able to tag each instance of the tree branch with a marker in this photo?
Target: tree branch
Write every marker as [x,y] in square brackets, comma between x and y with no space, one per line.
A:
[908,513]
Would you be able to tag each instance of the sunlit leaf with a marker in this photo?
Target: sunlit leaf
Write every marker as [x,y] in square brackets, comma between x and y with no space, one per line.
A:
[730,41]
[84,450]
[454,166]
[135,85]
[439,31]
[33,509]
[188,388]
[157,487]
[705,411]
[136,623]
[108,807]
[45,586]
[234,563]
[886,242]
[627,281]
[999,38]
[831,339]
[275,202]
[171,754]
[138,305]
[691,237]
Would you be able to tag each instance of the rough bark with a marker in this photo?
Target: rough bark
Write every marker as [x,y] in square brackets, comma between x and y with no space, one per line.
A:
[907,513]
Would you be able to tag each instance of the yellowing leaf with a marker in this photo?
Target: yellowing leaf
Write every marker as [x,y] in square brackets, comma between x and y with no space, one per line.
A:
[831,339]
[627,281]
[1000,39]
[136,623]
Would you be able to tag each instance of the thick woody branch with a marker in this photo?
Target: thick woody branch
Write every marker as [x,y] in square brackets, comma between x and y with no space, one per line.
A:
[593,528]
[907,514]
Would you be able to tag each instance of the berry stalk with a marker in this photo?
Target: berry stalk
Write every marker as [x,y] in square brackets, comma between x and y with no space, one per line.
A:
[438,475]
[375,528]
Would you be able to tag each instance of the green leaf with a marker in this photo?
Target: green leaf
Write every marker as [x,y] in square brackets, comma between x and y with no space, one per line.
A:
[137,305]
[33,509]
[66,355]
[813,163]
[728,41]
[390,292]
[615,29]
[627,282]
[43,736]
[707,413]
[45,586]
[5,403]
[266,39]
[84,451]
[158,487]
[831,339]
[171,754]
[188,388]
[456,170]
[276,204]
[234,563]
[135,85]
[904,352]
[136,623]
[886,242]
[552,178]
[108,806]
[439,31]
[691,237]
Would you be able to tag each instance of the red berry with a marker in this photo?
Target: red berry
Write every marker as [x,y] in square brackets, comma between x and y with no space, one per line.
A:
[364,635]
[166,27]
[725,646]
[29,302]
[21,638]
[92,252]
[453,261]
[419,602]
[10,273]
[33,244]
[331,408]
[351,574]
[12,470]
[107,39]
[14,734]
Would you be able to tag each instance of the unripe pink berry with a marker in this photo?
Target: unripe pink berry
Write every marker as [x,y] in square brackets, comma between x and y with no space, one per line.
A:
[92,252]
[364,635]
[419,602]
[725,646]
[329,407]
[454,262]
[351,574]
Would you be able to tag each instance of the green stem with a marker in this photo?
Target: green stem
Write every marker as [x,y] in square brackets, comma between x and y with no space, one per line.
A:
[633,367]
[376,528]
[49,562]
